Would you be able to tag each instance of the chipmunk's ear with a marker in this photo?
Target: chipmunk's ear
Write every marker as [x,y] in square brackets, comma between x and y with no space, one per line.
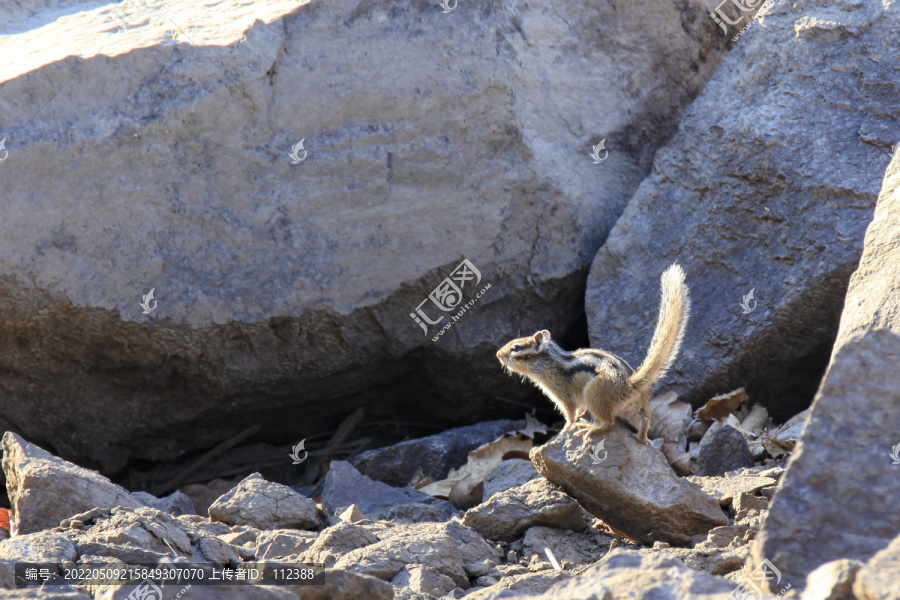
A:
[542,336]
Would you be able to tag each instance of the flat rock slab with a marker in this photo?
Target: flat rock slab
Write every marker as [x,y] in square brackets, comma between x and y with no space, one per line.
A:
[633,489]
[725,489]
[44,489]
[264,505]
[507,514]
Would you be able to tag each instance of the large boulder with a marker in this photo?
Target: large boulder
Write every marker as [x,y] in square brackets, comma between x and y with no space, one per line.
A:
[44,489]
[838,496]
[767,187]
[631,487]
[143,158]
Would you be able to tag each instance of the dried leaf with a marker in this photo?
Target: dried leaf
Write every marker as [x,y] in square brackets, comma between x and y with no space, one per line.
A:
[466,493]
[668,417]
[756,421]
[680,461]
[481,461]
[532,426]
[723,405]
[697,429]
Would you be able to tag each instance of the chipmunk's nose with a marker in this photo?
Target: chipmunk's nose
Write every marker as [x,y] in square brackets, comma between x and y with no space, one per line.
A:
[500,355]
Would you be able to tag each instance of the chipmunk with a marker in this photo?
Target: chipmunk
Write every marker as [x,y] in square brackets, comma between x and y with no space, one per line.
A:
[597,381]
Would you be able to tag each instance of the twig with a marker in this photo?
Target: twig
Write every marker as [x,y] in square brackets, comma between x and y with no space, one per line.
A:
[207,457]
[314,467]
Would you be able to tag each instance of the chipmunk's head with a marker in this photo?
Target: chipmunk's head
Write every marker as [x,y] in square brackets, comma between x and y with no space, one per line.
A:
[527,355]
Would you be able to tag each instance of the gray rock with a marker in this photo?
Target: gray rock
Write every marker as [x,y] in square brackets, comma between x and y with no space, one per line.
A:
[264,505]
[478,556]
[510,513]
[434,455]
[833,581]
[847,510]
[219,552]
[445,547]
[634,489]
[877,579]
[341,585]
[336,541]
[176,503]
[141,535]
[746,196]
[508,474]
[344,486]
[227,318]
[424,580]
[7,574]
[240,535]
[726,450]
[283,543]
[626,574]
[725,489]
[569,547]
[43,489]
[524,585]
[43,546]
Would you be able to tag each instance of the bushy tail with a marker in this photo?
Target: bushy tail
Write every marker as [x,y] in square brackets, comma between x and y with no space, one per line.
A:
[674,310]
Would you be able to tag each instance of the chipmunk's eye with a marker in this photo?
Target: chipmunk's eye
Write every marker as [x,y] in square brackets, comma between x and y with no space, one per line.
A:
[516,348]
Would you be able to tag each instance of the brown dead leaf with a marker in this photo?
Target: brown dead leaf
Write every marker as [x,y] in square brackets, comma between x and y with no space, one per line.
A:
[466,493]
[756,421]
[679,460]
[481,461]
[532,426]
[668,417]
[721,406]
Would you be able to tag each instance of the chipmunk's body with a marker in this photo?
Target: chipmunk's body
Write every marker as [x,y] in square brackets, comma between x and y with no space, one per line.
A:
[600,382]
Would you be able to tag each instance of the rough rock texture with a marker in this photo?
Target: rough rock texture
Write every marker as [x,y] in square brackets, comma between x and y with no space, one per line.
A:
[520,585]
[730,486]
[848,510]
[43,489]
[508,474]
[341,585]
[634,489]
[449,548]
[176,503]
[726,450]
[424,580]
[264,505]
[48,594]
[282,543]
[626,574]
[336,541]
[345,486]
[834,580]
[539,502]
[434,455]
[748,196]
[142,535]
[877,580]
[569,547]
[43,546]
[455,134]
